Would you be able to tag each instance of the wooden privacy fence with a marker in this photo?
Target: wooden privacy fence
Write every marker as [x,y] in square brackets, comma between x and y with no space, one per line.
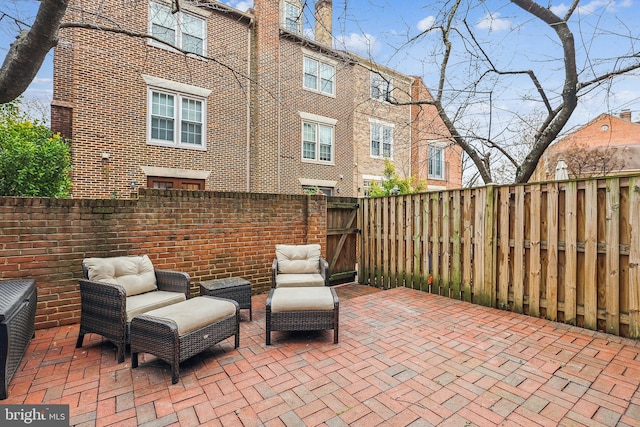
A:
[567,251]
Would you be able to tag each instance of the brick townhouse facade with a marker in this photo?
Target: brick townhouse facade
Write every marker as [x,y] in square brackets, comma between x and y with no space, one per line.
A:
[606,146]
[247,102]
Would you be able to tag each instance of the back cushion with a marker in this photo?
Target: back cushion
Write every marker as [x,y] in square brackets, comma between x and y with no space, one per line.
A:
[134,273]
[298,258]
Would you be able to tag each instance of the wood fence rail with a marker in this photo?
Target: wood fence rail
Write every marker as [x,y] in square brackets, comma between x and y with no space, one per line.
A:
[567,251]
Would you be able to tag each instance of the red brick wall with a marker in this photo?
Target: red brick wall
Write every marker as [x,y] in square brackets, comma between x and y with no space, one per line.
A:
[99,76]
[206,234]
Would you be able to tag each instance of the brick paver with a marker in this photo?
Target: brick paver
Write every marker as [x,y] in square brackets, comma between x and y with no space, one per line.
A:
[405,358]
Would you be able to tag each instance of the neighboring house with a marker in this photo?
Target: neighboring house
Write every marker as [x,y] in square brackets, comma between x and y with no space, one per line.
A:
[608,145]
[255,106]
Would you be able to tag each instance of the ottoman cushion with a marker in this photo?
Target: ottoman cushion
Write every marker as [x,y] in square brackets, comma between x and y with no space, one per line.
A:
[302,299]
[195,313]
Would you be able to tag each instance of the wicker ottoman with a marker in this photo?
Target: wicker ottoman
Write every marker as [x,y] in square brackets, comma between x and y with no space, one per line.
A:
[177,332]
[235,288]
[302,309]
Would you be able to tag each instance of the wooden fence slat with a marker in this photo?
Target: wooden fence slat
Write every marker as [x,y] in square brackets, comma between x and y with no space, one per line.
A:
[456,272]
[408,241]
[424,198]
[435,243]
[634,258]
[417,232]
[591,255]
[518,251]
[393,274]
[479,294]
[503,248]
[612,303]
[552,251]
[534,251]
[400,242]
[445,258]
[571,252]
[467,259]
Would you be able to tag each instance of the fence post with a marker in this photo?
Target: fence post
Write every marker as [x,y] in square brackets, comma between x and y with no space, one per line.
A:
[484,242]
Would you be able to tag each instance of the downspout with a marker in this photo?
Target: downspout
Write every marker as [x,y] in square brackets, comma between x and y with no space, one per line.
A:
[248,95]
[279,109]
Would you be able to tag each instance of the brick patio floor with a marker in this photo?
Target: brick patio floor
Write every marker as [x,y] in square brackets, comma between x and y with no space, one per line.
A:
[405,358]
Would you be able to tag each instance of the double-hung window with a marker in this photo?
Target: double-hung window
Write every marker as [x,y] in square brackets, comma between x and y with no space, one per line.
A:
[381,139]
[292,18]
[436,162]
[183,30]
[319,76]
[380,87]
[318,138]
[176,113]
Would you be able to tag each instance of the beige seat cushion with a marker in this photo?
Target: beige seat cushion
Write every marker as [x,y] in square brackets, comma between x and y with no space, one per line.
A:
[299,280]
[301,299]
[139,304]
[298,258]
[195,313]
[134,273]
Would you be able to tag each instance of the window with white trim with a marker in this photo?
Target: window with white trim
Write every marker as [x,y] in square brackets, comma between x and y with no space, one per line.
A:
[176,119]
[381,135]
[183,30]
[380,87]
[319,76]
[292,18]
[436,162]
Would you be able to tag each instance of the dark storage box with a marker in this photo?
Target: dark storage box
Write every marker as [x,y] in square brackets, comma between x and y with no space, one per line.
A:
[18,300]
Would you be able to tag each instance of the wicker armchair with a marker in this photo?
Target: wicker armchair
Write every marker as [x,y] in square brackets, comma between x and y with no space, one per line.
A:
[114,290]
[298,266]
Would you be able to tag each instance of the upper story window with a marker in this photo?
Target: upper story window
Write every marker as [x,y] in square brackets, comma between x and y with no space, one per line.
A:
[176,113]
[292,18]
[436,162]
[319,76]
[183,30]
[318,138]
[380,87]
[381,139]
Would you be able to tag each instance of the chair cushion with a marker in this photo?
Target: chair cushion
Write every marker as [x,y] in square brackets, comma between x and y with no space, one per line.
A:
[142,303]
[299,280]
[301,299]
[134,273]
[298,258]
[195,313]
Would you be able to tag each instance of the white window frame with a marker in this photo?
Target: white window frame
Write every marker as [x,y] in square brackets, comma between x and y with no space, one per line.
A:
[179,92]
[178,26]
[320,62]
[377,129]
[317,121]
[380,86]
[437,149]
[290,10]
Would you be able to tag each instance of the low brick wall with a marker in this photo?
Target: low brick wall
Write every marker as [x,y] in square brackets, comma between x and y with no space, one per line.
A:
[206,234]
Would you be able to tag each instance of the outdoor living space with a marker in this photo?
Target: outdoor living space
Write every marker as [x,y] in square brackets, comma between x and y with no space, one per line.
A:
[404,358]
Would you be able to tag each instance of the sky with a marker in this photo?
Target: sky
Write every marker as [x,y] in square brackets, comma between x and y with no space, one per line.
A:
[387,31]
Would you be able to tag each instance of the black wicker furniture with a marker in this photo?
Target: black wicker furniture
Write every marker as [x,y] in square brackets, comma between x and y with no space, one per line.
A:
[235,288]
[302,309]
[18,300]
[115,290]
[180,331]
[299,265]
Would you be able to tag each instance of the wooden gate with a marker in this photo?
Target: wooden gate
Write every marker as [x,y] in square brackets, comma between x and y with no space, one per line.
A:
[342,238]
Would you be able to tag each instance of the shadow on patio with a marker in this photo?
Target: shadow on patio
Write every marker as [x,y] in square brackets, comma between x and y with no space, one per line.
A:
[405,358]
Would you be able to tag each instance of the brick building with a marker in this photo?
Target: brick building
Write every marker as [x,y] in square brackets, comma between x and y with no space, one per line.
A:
[606,146]
[243,101]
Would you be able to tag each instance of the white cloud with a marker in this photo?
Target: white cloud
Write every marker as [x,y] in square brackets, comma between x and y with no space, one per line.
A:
[426,23]
[493,22]
[560,9]
[362,44]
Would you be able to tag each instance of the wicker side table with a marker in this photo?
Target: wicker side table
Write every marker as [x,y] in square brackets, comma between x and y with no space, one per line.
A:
[235,288]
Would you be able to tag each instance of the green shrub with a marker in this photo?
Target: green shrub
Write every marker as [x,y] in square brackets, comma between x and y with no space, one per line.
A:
[34,162]
[394,185]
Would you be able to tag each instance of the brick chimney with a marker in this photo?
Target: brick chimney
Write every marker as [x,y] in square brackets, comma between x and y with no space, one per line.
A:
[625,115]
[324,22]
